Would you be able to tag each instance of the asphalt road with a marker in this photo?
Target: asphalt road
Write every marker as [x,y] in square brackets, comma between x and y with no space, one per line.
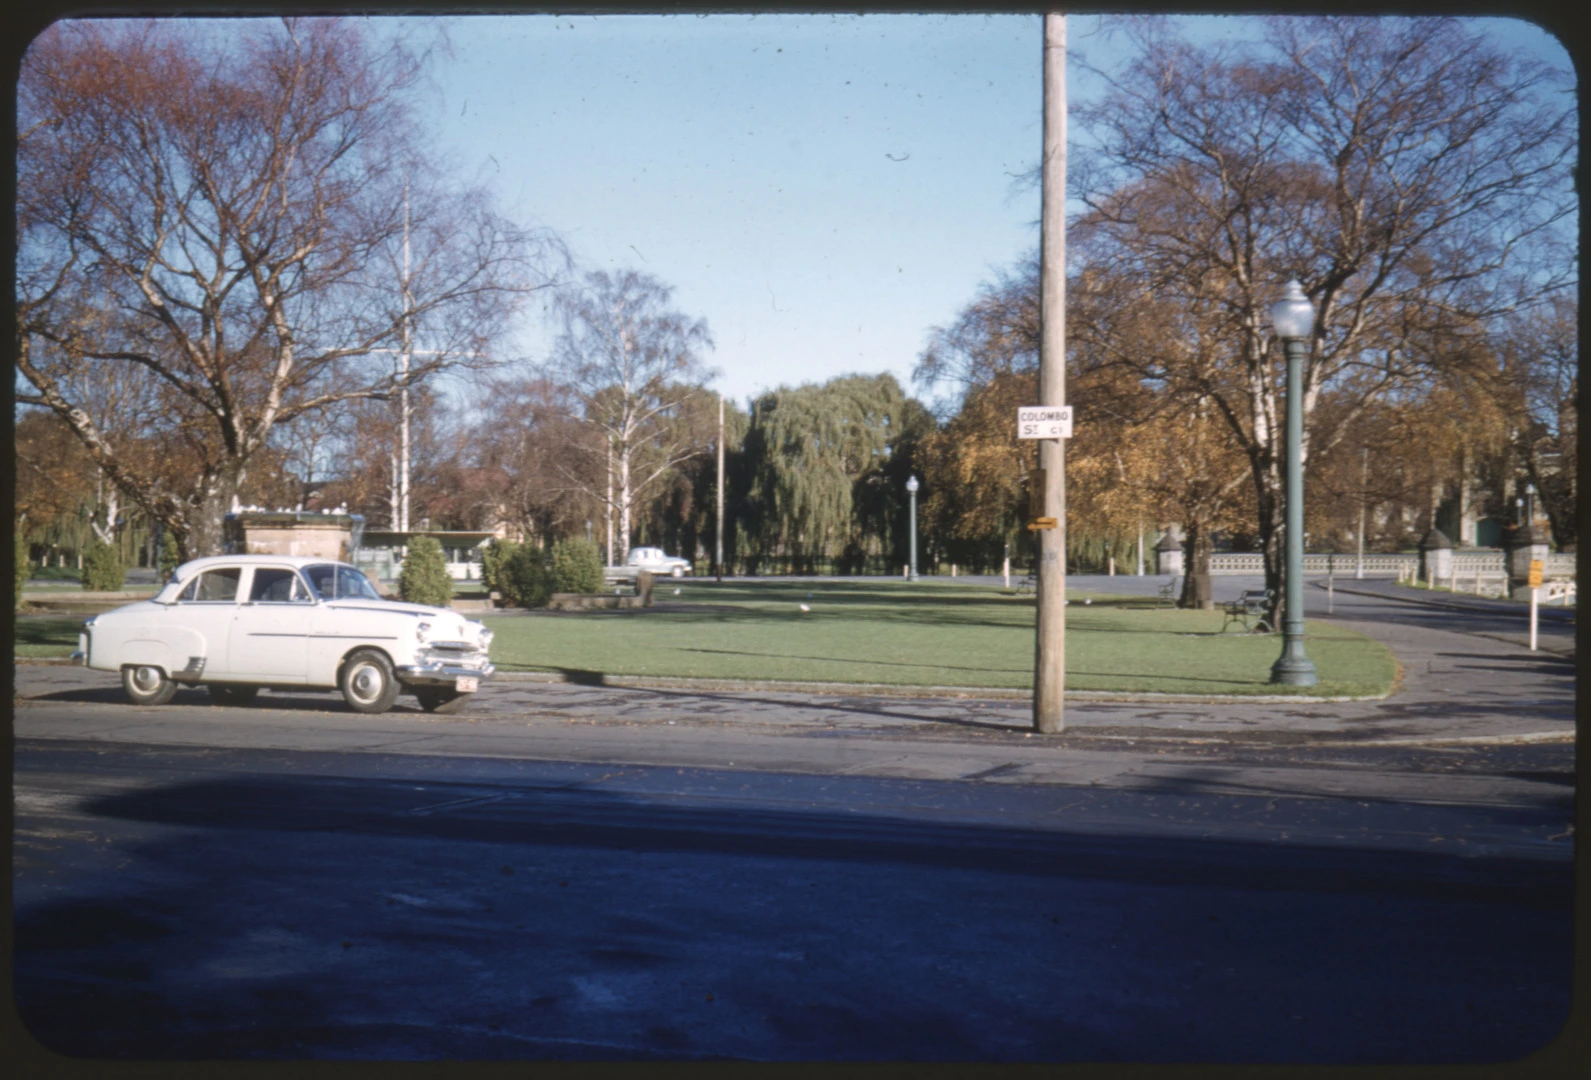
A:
[582,872]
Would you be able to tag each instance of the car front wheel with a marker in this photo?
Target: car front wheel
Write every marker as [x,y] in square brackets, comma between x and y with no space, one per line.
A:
[232,695]
[440,699]
[145,684]
[367,682]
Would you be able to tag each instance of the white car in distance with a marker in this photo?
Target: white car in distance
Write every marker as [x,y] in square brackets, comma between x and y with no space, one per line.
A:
[236,624]
[653,560]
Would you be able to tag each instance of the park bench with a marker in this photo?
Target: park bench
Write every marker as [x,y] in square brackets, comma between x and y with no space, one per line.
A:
[1168,592]
[1253,604]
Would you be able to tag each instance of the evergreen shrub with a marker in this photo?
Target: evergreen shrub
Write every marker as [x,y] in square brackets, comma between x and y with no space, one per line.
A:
[424,578]
[102,568]
[576,567]
[493,556]
[524,578]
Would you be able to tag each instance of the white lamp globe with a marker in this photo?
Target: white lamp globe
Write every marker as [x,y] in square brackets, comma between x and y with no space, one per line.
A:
[1293,316]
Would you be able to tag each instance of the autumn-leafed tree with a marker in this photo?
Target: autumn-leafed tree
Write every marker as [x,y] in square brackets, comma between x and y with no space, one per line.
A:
[529,436]
[364,450]
[977,474]
[1413,177]
[219,212]
[1538,388]
[632,367]
[1144,456]
[54,477]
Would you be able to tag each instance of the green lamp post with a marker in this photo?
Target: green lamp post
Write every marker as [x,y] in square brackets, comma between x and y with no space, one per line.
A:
[1293,319]
[911,489]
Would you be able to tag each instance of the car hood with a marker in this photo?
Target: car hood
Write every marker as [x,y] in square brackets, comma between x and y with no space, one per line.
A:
[394,607]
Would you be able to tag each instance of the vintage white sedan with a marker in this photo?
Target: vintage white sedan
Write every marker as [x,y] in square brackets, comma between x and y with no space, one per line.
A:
[238,623]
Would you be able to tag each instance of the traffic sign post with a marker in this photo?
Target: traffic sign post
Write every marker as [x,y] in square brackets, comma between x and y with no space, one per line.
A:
[1044,422]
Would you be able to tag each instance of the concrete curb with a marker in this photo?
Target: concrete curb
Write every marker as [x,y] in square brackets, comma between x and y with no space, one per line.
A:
[646,682]
[1332,742]
[742,686]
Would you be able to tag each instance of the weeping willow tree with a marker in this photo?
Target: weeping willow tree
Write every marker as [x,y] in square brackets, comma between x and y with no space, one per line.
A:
[822,463]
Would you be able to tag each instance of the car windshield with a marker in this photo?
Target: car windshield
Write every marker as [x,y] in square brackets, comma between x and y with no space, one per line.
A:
[333,582]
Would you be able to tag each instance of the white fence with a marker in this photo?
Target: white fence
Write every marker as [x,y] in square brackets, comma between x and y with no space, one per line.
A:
[1466,564]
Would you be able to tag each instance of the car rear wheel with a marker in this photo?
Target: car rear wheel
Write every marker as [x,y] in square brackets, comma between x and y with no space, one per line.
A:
[146,684]
[440,699]
[367,682]
[223,694]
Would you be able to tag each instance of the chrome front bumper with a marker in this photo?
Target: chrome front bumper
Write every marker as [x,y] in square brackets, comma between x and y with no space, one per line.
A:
[79,656]
[440,674]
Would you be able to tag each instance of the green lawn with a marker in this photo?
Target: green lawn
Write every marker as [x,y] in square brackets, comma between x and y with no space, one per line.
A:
[897,634]
[47,635]
[921,635]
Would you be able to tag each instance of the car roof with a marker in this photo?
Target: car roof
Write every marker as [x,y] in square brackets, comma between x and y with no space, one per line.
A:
[207,561]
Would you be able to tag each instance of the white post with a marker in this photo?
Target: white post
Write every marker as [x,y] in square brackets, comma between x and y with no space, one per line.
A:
[1140,570]
[1005,570]
[1535,594]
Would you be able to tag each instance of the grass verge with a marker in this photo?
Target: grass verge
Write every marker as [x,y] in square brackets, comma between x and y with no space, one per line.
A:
[45,636]
[922,635]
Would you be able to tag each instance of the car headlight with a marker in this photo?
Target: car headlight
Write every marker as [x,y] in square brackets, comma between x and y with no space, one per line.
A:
[421,630]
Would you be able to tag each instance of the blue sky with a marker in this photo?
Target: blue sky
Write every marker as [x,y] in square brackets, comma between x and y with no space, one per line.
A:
[821,189]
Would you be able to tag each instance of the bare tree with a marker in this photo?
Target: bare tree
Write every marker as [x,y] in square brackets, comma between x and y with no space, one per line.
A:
[1411,176]
[221,212]
[631,364]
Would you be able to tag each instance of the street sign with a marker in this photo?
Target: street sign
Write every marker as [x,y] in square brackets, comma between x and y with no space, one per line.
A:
[1043,523]
[1044,422]
[1535,573]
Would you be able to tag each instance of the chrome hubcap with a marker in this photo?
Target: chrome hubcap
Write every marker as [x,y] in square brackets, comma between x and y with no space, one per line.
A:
[367,682]
[146,679]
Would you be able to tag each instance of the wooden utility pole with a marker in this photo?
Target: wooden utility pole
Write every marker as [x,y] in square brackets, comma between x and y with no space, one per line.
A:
[1049,667]
[718,553]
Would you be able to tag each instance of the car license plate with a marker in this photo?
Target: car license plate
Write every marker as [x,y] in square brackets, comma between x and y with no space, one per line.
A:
[467,684]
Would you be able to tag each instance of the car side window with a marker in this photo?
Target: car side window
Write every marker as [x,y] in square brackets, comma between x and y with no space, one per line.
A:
[351,582]
[275,585]
[218,586]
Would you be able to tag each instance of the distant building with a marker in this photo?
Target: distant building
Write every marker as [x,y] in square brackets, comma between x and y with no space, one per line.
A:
[382,551]
[326,535]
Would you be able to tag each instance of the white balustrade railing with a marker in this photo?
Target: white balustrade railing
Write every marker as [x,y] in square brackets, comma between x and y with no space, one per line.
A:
[1466,564]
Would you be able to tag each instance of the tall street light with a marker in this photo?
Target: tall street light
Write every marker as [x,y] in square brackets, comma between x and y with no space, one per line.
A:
[1293,318]
[911,489]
